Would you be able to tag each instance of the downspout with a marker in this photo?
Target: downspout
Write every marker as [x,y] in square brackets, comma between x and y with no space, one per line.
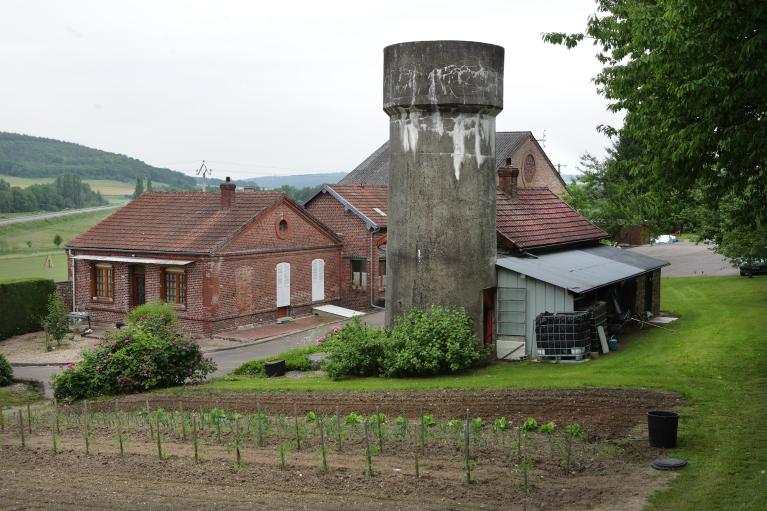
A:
[372,267]
[74,282]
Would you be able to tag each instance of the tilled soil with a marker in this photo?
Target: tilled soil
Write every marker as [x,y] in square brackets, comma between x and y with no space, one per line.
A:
[34,478]
[608,472]
[602,412]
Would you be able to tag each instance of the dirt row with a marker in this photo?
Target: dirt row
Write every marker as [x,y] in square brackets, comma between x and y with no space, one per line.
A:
[602,412]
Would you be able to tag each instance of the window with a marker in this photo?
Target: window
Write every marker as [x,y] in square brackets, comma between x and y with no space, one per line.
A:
[359,274]
[381,274]
[283,227]
[103,282]
[174,286]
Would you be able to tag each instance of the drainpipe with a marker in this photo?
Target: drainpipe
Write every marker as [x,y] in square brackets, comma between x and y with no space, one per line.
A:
[372,267]
[74,281]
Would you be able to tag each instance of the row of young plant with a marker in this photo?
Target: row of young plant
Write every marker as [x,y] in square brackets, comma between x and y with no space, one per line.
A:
[373,435]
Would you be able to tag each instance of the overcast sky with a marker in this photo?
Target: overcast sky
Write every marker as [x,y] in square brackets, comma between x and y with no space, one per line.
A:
[273,88]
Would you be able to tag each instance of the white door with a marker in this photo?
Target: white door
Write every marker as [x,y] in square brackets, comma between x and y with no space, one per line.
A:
[318,280]
[283,284]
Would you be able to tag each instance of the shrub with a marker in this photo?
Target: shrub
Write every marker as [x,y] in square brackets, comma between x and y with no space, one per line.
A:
[149,353]
[23,303]
[355,350]
[55,323]
[6,372]
[437,341]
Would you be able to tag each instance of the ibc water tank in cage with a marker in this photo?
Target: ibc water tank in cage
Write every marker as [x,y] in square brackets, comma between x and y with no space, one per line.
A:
[563,335]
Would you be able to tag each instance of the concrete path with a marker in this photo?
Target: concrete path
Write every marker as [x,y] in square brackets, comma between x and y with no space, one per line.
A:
[688,259]
[56,214]
[227,359]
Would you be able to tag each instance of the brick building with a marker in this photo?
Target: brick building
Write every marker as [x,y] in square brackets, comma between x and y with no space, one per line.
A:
[222,259]
[520,147]
[550,258]
[358,216]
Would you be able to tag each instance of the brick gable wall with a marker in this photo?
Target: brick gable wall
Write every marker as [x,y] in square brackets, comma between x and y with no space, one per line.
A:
[545,174]
[356,240]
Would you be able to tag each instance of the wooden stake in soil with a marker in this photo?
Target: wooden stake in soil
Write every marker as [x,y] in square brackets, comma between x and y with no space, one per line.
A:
[21,429]
[466,446]
[422,433]
[2,419]
[194,438]
[415,450]
[237,440]
[259,418]
[379,427]
[367,449]
[86,428]
[298,435]
[29,419]
[159,441]
[323,450]
[183,422]
[53,432]
[338,430]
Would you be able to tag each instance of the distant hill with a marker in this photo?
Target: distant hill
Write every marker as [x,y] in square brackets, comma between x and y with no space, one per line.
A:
[27,156]
[569,178]
[296,180]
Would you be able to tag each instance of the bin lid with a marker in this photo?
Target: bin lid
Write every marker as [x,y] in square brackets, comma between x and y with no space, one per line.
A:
[668,463]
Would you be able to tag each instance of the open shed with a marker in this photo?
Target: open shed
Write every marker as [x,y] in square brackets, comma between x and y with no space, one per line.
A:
[566,281]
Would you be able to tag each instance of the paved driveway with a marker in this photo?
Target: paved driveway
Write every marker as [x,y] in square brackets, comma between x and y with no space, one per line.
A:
[226,360]
[688,259]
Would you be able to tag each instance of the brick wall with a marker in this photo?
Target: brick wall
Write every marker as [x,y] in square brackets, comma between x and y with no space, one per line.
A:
[236,288]
[639,305]
[64,290]
[656,292]
[545,174]
[356,240]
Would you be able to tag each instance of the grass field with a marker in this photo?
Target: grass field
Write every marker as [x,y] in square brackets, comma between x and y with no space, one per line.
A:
[105,186]
[17,260]
[716,357]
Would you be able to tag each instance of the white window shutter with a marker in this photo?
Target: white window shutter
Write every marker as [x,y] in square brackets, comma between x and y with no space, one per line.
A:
[318,280]
[283,284]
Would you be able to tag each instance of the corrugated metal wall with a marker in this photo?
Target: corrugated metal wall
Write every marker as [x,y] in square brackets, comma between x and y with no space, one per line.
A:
[520,300]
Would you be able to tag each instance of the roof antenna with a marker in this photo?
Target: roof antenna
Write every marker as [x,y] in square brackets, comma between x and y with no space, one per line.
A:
[204,171]
[559,167]
[542,140]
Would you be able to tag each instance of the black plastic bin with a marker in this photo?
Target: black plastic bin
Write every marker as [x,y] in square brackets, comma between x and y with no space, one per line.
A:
[662,427]
[276,368]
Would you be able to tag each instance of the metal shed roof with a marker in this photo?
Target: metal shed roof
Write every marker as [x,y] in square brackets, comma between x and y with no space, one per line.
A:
[582,270]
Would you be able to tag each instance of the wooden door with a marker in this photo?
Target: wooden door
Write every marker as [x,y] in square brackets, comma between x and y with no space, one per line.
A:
[138,289]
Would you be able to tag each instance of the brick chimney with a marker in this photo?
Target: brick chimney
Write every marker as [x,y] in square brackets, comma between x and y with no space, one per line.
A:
[227,194]
[507,179]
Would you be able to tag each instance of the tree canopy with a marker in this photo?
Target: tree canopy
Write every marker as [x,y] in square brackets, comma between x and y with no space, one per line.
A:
[690,77]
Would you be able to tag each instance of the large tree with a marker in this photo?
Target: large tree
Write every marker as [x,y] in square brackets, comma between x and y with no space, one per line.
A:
[691,78]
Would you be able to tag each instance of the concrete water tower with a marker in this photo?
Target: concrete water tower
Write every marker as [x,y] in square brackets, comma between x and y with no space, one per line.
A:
[442,98]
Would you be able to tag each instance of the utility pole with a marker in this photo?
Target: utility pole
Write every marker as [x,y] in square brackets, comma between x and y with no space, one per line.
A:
[542,140]
[559,167]
[204,171]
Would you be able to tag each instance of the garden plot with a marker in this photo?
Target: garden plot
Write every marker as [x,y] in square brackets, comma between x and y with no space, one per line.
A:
[189,456]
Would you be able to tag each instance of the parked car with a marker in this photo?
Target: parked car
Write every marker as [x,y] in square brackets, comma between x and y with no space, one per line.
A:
[757,267]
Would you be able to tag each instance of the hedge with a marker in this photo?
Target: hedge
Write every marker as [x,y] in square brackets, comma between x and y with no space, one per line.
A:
[23,304]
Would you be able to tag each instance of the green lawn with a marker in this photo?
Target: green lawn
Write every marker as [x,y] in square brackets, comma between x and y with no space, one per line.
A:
[14,237]
[11,398]
[716,357]
[23,266]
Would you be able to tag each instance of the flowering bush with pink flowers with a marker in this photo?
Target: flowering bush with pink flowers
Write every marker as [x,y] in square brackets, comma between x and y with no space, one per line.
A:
[149,353]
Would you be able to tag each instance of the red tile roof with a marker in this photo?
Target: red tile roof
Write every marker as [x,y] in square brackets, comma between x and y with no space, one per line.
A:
[187,222]
[365,199]
[538,218]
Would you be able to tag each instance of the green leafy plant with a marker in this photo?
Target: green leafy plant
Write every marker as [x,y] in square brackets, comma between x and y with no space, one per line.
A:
[355,350]
[571,433]
[6,372]
[55,323]
[437,341]
[311,417]
[530,425]
[149,353]
[501,424]
[354,419]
